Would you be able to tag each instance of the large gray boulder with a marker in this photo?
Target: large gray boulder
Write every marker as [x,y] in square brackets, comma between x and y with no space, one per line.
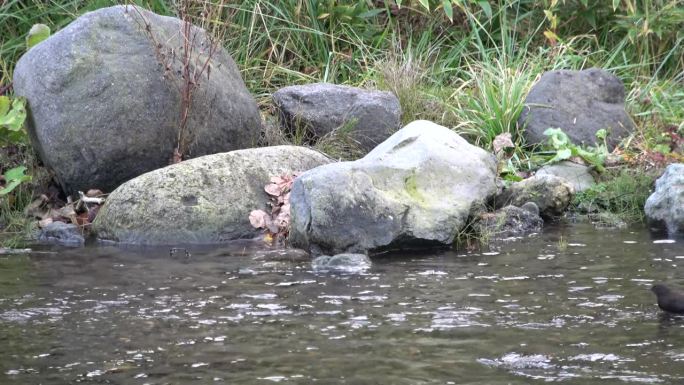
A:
[104,98]
[665,207]
[369,117]
[199,201]
[580,103]
[417,188]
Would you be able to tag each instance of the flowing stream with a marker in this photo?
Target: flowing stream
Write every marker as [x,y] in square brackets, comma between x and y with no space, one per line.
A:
[571,305]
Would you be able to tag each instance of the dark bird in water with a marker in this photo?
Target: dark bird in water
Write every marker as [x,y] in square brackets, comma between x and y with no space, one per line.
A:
[671,301]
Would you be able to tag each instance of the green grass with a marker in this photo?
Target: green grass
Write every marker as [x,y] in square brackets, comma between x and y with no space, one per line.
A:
[622,192]
[14,225]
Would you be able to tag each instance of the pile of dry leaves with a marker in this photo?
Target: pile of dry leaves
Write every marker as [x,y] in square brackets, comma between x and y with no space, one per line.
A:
[276,223]
[81,212]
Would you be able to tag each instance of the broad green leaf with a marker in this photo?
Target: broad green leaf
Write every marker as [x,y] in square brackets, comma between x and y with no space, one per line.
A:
[593,158]
[13,137]
[448,10]
[601,134]
[512,177]
[398,3]
[13,178]
[557,138]
[4,105]
[14,118]
[425,4]
[616,3]
[38,33]
[486,8]
[562,154]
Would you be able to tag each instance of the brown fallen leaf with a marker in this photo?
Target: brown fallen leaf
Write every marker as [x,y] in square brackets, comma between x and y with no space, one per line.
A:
[258,218]
[272,189]
[503,146]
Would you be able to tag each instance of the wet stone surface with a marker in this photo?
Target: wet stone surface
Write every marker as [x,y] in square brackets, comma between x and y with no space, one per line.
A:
[572,305]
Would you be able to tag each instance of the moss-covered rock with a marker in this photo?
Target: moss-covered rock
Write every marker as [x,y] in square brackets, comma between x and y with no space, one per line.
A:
[550,193]
[200,201]
[417,188]
[509,221]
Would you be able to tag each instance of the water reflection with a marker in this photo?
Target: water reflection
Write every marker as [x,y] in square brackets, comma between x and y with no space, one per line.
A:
[532,309]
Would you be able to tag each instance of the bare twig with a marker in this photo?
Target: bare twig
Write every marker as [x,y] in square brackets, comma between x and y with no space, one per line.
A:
[6,89]
[193,60]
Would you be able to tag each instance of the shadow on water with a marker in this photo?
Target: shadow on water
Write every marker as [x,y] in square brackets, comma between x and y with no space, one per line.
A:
[571,305]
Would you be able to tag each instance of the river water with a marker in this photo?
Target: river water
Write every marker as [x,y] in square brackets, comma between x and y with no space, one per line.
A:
[571,305]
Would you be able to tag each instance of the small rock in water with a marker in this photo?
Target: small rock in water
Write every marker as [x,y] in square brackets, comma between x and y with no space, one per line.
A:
[61,233]
[531,207]
[342,263]
[606,220]
[510,221]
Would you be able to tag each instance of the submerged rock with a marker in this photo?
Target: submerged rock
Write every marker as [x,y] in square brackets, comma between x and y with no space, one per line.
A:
[60,233]
[551,194]
[342,263]
[578,175]
[104,101]
[665,207]
[509,221]
[417,188]
[200,201]
[368,116]
[578,102]
[606,220]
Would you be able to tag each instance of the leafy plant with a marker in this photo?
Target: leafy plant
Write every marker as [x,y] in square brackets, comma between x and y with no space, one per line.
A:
[622,192]
[12,117]
[13,178]
[38,33]
[276,223]
[565,149]
[449,5]
[491,98]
